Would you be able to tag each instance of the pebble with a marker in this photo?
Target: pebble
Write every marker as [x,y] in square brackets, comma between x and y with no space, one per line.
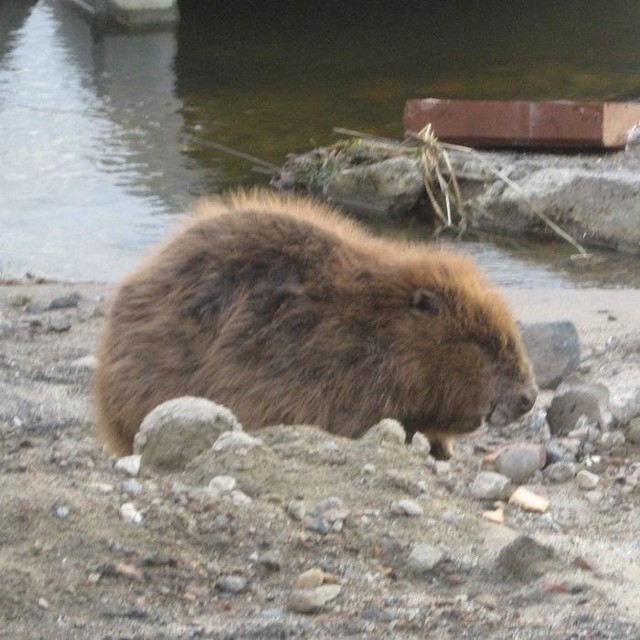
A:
[223,484]
[522,559]
[529,501]
[18,300]
[561,449]
[59,325]
[129,513]
[369,469]
[423,558]
[69,301]
[489,485]
[297,509]
[129,465]
[559,472]
[406,507]
[240,498]
[88,363]
[587,480]
[62,511]
[420,444]
[328,504]
[313,600]
[131,487]
[594,497]
[633,433]
[520,461]
[7,328]
[235,441]
[274,613]
[231,583]
[612,439]
[496,516]
[310,579]
[386,431]
[270,560]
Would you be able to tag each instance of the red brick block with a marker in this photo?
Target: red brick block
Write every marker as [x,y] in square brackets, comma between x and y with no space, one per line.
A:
[559,124]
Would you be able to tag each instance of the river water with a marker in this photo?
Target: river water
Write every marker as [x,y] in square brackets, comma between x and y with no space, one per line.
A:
[104,137]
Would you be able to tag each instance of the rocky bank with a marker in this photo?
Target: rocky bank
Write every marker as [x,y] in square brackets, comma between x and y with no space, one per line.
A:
[530,531]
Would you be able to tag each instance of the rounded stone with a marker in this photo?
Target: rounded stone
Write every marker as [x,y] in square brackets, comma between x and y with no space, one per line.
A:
[489,485]
[313,600]
[424,558]
[520,461]
[387,430]
[178,430]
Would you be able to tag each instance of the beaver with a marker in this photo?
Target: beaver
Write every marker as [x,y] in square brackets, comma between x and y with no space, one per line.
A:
[287,312]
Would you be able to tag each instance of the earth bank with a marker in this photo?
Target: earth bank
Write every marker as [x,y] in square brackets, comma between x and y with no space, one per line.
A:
[310,535]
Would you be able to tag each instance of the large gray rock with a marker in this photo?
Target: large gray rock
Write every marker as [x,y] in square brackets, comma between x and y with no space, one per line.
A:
[597,206]
[390,187]
[554,350]
[574,399]
[178,430]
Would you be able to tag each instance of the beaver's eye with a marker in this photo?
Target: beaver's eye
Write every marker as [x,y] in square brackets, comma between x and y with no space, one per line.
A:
[425,301]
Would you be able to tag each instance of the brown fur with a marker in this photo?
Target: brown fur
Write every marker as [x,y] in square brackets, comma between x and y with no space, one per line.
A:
[286,312]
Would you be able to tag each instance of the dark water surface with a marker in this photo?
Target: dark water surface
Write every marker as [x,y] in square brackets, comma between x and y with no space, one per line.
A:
[103,137]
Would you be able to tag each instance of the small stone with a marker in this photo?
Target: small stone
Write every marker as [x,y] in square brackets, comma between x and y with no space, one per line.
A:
[612,439]
[386,431]
[633,433]
[420,444]
[313,600]
[451,517]
[496,516]
[369,469]
[489,485]
[104,487]
[231,584]
[7,328]
[129,465]
[87,363]
[529,501]
[310,579]
[297,509]
[69,301]
[59,325]
[559,472]
[131,487]
[519,462]
[587,480]
[270,560]
[424,558]
[223,484]
[327,504]
[129,513]
[274,613]
[61,511]
[43,603]
[319,525]
[18,300]
[560,449]
[406,507]
[240,498]
[522,559]
[594,497]
[235,441]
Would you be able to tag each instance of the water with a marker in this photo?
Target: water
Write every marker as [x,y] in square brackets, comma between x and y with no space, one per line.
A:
[103,138]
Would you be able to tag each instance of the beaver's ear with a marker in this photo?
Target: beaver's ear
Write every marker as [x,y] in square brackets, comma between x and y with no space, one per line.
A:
[426,301]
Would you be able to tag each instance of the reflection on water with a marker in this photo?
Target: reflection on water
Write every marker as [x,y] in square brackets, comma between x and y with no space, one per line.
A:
[97,133]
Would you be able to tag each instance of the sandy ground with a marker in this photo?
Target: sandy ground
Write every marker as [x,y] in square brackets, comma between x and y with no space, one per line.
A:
[196,567]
